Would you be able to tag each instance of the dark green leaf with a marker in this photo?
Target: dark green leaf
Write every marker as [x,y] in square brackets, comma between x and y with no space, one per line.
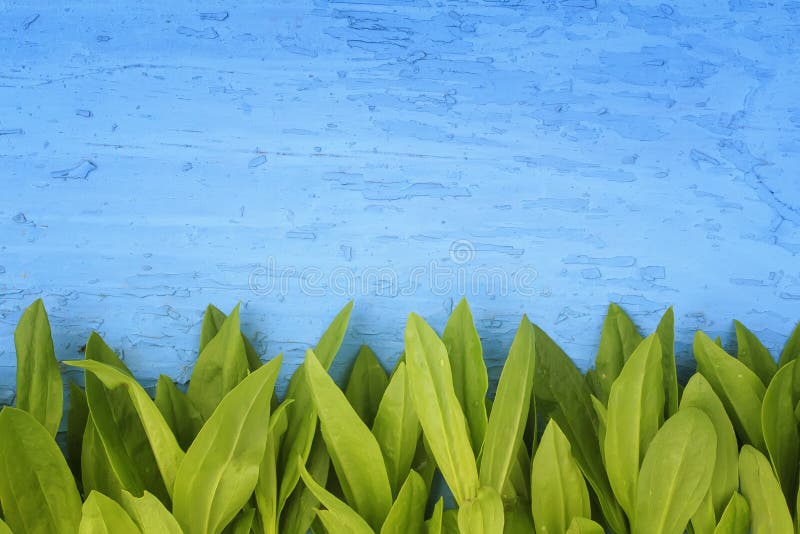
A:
[780,430]
[366,385]
[666,335]
[178,411]
[754,354]
[77,414]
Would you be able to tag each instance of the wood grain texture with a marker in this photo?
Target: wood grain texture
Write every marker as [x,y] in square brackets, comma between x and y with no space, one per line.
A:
[155,156]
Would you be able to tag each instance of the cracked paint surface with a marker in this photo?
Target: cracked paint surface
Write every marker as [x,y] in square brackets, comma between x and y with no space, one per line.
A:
[154,156]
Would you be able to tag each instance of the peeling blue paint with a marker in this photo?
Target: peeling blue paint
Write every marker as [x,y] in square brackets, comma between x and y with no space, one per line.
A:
[157,158]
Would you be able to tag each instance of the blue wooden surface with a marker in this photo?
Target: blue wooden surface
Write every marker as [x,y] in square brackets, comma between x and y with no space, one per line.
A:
[158,156]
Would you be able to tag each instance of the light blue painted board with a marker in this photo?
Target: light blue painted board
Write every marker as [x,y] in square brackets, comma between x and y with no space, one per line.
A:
[157,156]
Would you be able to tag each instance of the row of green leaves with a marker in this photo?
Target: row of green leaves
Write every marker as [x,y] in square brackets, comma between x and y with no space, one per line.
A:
[623,448]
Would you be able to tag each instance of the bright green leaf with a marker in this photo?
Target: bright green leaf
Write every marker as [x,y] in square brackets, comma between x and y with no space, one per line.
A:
[149,514]
[699,394]
[483,514]
[510,410]
[558,489]
[582,525]
[470,378]
[781,435]
[407,514]
[341,517]
[736,517]
[676,473]
[39,387]
[434,524]
[739,389]
[396,428]
[219,472]
[178,411]
[438,409]
[37,491]
[768,511]
[102,515]
[212,322]
[754,354]
[635,411]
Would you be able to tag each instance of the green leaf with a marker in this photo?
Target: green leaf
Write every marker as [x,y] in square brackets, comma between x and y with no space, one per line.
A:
[341,518]
[470,378]
[222,364]
[581,525]
[266,490]
[618,340]
[4,528]
[96,471]
[219,472]
[699,394]
[168,453]
[40,391]
[243,522]
[602,415]
[754,354]
[102,515]
[396,428]
[178,411]
[450,521]
[736,517]
[302,415]
[77,415]
[407,514]
[301,507]
[666,335]
[149,514]
[510,410]
[676,473]
[558,490]
[483,514]
[768,511]
[119,427]
[434,524]
[355,453]
[791,350]
[780,429]
[562,394]
[37,491]
[518,519]
[635,411]
[366,385]
[438,409]
[739,389]
[212,322]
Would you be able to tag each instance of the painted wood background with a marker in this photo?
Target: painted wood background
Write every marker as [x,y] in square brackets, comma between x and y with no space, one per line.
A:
[542,157]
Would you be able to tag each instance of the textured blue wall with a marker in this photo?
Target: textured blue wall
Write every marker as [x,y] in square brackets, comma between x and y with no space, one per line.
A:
[155,157]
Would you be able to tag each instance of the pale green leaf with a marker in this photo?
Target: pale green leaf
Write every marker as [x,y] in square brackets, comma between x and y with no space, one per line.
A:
[558,489]
[39,387]
[470,378]
[769,513]
[37,491]
[676,473]
[438,409]
[219,472]
[635,411]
